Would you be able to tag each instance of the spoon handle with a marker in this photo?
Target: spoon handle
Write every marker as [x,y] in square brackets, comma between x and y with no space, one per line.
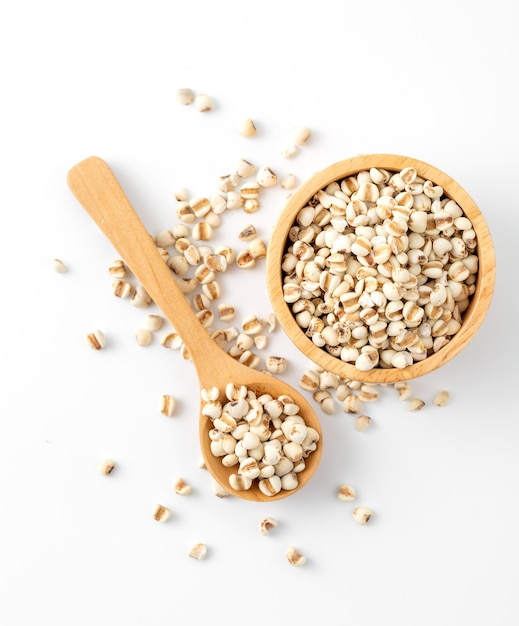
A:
[98,191]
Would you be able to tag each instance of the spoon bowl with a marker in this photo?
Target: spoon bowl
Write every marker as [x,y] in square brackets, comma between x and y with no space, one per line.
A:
[98,191]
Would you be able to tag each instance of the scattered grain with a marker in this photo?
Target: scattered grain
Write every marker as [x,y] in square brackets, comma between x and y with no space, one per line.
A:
[167,405]
[362,515]
[181,488]
[267,524]
[204,103]
[346,493]
[294,557]
[247,128]
[415,404]
[185,95]
[106,467]
[266,177]
[161,513]
[153,322]
[442,398]
[144,336]
[96,340]
[363,421]
[198,551]
[117,269]
[59,266]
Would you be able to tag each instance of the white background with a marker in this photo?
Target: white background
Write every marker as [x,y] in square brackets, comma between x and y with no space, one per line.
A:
[433,80]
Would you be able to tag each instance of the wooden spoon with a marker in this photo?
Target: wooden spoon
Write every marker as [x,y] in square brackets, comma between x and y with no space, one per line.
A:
[95,186]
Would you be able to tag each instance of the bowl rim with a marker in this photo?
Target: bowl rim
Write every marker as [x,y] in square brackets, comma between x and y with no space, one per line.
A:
[472,317]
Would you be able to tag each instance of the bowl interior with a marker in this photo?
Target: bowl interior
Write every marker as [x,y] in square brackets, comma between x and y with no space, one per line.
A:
[472,316]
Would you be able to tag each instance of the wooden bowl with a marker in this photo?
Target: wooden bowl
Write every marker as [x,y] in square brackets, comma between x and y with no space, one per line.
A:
[472,317]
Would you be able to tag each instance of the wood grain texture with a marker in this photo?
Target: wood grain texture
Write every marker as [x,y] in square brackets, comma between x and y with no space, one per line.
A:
[472,318]
[96,188]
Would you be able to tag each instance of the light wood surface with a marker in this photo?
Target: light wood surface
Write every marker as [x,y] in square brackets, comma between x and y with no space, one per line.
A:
[96,188]
[472,318]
